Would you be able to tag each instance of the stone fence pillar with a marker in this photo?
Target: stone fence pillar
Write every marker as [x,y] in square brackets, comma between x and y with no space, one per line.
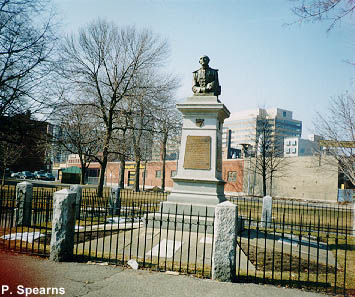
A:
[63,222]
[115,201]
[24,193]
[266,214]
[225,241]
[78,190]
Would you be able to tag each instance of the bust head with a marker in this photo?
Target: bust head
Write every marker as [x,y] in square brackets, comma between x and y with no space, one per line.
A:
[204,60]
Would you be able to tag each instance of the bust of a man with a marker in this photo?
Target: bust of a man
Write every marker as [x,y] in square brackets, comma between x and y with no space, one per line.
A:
[205,80]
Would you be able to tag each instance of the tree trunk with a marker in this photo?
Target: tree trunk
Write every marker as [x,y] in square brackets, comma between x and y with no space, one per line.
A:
[4,166]
[122,171]
[264,185]
[83,173]
[83,170]
[100,187]
[3,176]
[264,175]
[264,161]
[163,157]
[136,176]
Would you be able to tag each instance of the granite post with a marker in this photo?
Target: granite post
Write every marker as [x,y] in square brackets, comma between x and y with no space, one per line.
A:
[225,240]
[266,214]
[115,201]
[78,190]
[63,222]
[24,193]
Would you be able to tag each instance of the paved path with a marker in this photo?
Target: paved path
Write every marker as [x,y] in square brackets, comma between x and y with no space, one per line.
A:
[80,279]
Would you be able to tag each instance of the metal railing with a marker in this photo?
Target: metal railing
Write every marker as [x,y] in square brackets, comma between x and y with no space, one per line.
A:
[139,233]
[31,239]
[295,255]
[301,247]
[338,217]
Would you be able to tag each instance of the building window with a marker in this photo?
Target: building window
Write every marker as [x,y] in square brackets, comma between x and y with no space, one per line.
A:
[284,114]
[294,151]
[173,173]
[157,173]
[232,176]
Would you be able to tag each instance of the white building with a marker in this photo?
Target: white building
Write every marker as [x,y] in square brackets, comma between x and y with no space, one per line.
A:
[298,147]
[240,128]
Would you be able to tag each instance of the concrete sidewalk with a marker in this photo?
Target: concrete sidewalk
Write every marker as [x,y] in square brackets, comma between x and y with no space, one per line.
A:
[78,279]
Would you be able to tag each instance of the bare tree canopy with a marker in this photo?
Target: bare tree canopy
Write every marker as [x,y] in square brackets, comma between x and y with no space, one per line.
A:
[78,134]
[27,41]
[318,10]
[168,129]
[114,72]
[337,127]
[268,161]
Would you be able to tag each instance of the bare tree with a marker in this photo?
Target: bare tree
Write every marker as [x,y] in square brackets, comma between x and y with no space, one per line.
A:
[78,134]
[268,161]
[102,65]
[337,127]
[318,10]
[27,40]
[146,107]
[121,142]
[169,126]
[9,153]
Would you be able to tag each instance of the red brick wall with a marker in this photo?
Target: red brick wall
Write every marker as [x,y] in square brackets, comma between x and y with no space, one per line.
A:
[152,167]
[228,165]
[233,165]
[112,173]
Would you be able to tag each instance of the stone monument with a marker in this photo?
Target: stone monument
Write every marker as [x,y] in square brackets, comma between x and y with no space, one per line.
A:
[198,186]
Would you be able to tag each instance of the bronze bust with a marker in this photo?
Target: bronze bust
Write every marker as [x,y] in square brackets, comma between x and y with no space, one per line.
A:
[205,80]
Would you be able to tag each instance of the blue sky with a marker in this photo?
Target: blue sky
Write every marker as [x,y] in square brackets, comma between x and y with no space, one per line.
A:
[262,62]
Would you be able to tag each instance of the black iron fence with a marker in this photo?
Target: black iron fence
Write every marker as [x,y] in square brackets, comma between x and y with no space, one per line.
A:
[296,255]
[32,238]
[303,250]
[139,233]
[338,217]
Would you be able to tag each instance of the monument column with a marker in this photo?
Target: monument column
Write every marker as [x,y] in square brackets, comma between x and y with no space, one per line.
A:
[198,184]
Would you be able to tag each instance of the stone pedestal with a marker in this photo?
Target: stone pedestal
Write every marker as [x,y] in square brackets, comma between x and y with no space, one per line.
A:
[24,193]
[225,242]
[266,214]
[62,239]
[198,186]
[115,201]
[78,190]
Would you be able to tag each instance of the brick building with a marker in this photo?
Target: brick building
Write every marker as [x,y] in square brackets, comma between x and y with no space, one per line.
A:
[151,172]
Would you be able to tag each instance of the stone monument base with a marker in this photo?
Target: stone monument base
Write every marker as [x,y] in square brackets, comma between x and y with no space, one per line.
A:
[186,223]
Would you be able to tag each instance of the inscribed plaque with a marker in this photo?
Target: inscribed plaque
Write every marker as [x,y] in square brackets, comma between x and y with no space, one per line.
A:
[198,152]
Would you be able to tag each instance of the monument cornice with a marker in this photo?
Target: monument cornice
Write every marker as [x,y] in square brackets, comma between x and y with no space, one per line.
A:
[189,179]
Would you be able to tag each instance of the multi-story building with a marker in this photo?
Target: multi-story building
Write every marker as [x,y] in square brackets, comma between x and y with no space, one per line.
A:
[298,147]
[172,150]
[58,154]
[33,140]
[241,128]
